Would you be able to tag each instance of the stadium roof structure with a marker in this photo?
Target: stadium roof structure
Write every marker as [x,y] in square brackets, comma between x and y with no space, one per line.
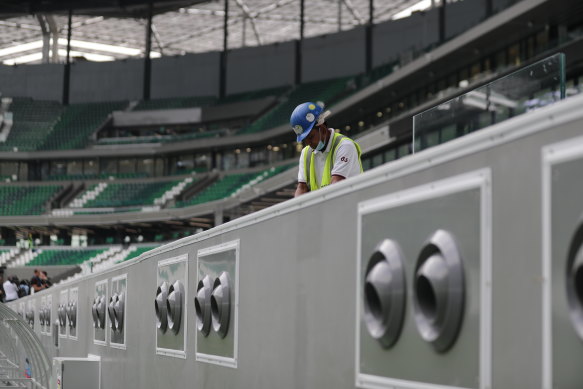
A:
[104,30]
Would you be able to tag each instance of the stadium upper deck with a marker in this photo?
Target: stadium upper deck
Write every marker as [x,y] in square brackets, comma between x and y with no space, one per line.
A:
[416,62]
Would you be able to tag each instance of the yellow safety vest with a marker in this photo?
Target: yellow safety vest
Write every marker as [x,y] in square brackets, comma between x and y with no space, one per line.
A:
[309,165]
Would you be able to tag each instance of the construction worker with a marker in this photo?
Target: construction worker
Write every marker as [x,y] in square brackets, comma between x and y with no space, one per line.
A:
[327,157]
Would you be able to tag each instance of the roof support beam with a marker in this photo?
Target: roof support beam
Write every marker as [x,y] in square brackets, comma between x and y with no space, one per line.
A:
[251,18]
[355,14]
[54,31]
[223,64]
[157,38]
[22,26]
[393,8]
[50,31]
[147,59]
[46,38]
[67,74]
[257,14]
[339,15]
[88,22]
[369,36]
[298,45]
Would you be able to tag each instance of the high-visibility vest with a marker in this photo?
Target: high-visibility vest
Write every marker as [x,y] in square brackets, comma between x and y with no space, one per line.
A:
[309,165]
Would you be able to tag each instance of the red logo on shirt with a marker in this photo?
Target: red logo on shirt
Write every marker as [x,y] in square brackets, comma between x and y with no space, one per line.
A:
[344,159]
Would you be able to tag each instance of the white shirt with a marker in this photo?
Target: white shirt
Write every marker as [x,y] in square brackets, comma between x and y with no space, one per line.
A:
[346,163]
[11,291]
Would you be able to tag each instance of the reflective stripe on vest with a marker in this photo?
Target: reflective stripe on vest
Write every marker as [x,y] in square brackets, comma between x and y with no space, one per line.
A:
[309,165]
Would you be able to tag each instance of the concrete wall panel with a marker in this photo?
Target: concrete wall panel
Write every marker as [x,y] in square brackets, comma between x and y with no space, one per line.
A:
[255,68]
[188,75]
[107,81]
[335,55]
[299,293]
[40,82]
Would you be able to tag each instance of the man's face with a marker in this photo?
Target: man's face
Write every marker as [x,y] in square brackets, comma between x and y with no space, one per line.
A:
[313,137]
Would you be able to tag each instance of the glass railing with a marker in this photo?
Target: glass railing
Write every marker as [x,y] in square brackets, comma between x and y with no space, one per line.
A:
[534,86]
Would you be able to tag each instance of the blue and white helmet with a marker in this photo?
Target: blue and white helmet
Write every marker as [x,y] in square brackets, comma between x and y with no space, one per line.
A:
[305,116]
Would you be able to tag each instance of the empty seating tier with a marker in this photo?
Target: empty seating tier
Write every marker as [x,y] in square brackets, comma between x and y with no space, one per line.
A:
[329,91]
[26,200]
[130,194]
[87,176]
[175,103]
[137,252]
[229,185]
[77,123]
[33,120]
[63,257]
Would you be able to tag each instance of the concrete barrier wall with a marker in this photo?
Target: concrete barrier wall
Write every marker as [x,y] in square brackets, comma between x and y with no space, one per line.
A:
[40,82]
[188,75]
[399,39]
[336,55]
[302,296]
[107,81]
[262,67]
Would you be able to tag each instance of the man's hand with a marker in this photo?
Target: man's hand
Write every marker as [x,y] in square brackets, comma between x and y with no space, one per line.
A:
[301,189]
[336,179]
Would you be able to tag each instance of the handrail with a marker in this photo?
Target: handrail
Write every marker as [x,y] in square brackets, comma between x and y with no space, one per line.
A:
[23,351]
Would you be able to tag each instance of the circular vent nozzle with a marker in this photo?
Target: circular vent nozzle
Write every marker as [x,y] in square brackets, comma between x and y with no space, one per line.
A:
[221,305]
[384,293]
[160,306]
[574,280]
[202,305]
[439,290]
[174,306]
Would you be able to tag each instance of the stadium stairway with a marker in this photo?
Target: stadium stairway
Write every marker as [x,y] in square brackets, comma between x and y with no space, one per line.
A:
[6,118]
[8,256]
[57,256]
[173,192]
[111,257]
[23,258]
[95,263]
[89,195]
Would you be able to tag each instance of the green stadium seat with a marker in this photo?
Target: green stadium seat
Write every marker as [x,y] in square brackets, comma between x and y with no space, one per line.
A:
[329,91]
[26,200]
[63,257]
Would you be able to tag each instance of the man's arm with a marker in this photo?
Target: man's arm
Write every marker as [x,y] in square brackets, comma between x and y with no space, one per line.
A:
[301,189]
[346,163]
[336,178]
[36,285]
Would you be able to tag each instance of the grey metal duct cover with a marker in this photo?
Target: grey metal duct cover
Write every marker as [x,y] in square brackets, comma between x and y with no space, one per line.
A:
[574,280]
[384,293]
[47,316]
[101,308]
[30,317]
[174,306]
[94,312]
[221,304]
[160,306]
[62,315]
[202,305]
[119,311]
[111,313]
[439,290]
[72,314]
